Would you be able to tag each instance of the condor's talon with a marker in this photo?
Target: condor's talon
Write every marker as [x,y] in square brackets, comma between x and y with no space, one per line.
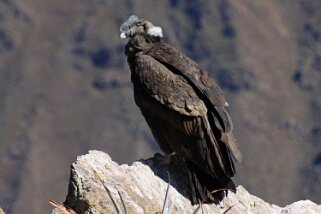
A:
[164,160]
[168,159]
[158,156]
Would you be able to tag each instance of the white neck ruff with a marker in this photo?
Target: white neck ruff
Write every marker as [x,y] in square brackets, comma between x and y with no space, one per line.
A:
[155,31]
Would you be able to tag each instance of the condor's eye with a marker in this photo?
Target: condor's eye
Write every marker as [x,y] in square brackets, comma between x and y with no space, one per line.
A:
[140,22]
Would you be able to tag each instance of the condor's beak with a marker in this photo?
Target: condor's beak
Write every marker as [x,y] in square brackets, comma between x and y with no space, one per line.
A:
[123,35]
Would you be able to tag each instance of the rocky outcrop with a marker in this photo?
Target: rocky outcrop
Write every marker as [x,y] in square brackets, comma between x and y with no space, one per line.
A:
[99,185]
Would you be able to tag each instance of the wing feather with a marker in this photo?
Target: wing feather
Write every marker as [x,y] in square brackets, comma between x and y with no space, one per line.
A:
[197,76]
[202,83]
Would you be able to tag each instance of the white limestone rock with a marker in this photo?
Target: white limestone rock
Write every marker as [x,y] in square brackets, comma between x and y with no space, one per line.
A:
[143,186]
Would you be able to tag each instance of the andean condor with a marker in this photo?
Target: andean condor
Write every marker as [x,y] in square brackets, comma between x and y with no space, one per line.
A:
[184,108]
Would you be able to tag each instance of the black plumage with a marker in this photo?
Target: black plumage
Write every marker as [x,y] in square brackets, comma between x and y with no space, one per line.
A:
[184,108]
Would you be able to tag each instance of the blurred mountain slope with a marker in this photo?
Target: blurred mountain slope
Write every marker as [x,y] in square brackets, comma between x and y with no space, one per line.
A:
[66,89]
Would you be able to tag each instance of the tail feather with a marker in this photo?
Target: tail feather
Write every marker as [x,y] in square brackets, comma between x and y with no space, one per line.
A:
[205,188]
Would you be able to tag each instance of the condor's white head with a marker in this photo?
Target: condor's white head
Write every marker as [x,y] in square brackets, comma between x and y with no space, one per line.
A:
[133,25]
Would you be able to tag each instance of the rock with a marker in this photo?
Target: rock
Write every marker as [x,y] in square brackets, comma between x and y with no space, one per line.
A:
[143,185]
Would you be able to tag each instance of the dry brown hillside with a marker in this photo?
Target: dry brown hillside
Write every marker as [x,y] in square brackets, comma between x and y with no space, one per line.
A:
[65,88]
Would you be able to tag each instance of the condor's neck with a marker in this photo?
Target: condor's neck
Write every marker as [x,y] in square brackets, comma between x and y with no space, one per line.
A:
[140,43]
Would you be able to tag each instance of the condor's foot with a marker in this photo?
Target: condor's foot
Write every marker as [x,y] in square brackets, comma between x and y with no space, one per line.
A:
[168,159]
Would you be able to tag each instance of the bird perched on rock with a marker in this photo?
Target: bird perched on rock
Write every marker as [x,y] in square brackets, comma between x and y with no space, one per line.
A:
[184,108]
